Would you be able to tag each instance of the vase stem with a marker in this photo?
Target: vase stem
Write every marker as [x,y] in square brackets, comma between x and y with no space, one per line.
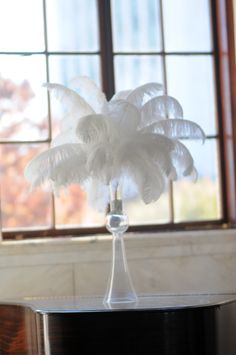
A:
[120,288]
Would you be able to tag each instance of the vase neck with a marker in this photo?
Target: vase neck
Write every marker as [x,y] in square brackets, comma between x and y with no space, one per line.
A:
[116,221]
[116,205]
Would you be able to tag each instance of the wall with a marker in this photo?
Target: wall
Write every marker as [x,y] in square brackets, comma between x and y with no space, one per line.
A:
[189,262]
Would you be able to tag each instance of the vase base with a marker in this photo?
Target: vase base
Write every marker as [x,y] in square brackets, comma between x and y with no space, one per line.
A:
[118,303]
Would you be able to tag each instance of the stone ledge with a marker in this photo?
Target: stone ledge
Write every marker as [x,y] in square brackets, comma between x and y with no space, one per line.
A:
[98,248]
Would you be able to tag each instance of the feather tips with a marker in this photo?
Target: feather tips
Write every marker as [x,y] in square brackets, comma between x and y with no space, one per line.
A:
[159,108]
[70,98]
[121,95]
[178,128]
[182,160]
[143,93]
[49,165]
[124,116]
[94,96]
[76,105]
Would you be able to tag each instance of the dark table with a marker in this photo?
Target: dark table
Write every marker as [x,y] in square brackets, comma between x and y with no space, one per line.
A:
[157,324]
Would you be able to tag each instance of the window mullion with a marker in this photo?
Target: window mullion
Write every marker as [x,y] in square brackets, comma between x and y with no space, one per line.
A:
[171,190]
[106,47]
[53,213]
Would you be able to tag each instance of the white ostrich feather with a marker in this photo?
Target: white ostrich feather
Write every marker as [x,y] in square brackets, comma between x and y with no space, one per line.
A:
[178,128]
[99,164]
[92,129]
[150,182]
[121,95]
[131,141]
[147,166]
[124,115]
[143,93]
[45,165]
[91,92]
[71,171]
[66,136]
[76,105]
[182,160]
[157,150]
[160,107]
[98,194]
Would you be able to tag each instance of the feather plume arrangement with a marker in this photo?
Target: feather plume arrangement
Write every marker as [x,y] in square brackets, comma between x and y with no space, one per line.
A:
[132,141]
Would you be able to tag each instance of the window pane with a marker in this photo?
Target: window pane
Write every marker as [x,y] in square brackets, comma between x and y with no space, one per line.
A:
[199,200]
[20,206]
[191,81]
[132,71]
[72,209]
[187,25]
[72,25]
[63,69]
[23,102]
[21,25]
[136,25]
[139,213]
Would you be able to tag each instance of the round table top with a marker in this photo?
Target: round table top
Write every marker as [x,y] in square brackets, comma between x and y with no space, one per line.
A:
[146,301]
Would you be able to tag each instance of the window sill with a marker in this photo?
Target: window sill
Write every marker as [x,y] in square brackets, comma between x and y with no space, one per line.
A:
[139,246]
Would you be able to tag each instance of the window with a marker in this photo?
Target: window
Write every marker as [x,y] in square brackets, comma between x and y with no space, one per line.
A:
[120,44]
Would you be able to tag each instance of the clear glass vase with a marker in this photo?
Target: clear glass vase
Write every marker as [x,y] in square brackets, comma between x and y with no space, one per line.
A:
[120,289]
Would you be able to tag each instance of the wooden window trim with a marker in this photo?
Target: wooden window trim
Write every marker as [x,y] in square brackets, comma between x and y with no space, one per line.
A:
[225,73]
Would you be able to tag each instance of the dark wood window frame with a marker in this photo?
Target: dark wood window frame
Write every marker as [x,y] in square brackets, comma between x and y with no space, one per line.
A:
[225,78]
[225,73]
